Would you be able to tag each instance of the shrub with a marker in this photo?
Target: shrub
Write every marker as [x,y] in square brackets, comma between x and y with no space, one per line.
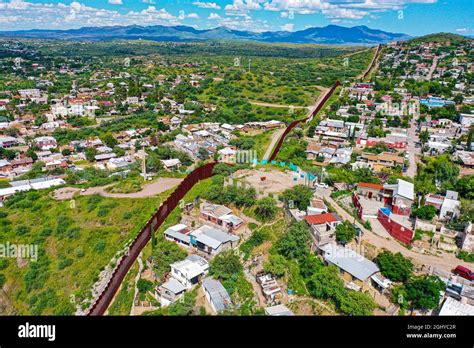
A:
[394,266]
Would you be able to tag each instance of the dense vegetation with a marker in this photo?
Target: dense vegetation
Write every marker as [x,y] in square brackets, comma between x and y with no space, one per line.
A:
[70,238]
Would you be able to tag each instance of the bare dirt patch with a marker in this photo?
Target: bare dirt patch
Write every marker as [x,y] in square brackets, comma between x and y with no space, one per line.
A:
[274,182]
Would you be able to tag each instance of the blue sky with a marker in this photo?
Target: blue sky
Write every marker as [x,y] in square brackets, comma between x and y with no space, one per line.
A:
[414,17]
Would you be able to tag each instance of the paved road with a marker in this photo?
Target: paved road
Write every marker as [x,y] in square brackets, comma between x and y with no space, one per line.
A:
[432,69]
[444,261]
[412,139]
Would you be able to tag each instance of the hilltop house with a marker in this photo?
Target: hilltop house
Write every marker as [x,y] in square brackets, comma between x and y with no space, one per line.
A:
[46,143]
[400,196]
[323,227]
[356,270]
[379,162]
[212,240]
[220,215]
[448,206]
[190,270]
[170,291]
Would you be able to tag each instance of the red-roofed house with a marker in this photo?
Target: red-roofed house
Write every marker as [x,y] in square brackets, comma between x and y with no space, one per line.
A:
[370,190]
[323,227]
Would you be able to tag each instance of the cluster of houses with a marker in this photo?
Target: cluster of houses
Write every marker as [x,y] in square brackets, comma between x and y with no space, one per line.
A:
[214,236]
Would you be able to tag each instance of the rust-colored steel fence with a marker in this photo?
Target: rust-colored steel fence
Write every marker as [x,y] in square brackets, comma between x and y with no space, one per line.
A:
[295,123]
[144,236]
[206,171]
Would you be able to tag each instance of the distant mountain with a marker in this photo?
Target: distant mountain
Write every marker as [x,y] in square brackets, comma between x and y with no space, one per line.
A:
[331,34]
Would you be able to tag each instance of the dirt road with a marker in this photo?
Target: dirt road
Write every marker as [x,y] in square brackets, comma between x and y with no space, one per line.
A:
[155,188]
[277,105]
[275,137]
[432,69]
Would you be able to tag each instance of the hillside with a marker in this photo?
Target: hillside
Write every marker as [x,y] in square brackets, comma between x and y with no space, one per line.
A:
[441,37]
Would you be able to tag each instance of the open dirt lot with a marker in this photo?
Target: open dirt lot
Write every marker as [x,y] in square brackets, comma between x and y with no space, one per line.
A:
[276,181]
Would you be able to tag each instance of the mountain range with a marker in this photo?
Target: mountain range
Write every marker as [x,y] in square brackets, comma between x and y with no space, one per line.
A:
[331,34]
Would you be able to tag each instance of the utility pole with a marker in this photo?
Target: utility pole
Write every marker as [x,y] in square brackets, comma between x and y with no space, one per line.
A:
[142,155]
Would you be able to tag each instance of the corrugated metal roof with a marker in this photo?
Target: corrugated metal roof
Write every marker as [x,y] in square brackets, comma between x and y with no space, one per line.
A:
[174,286]
[349,261]
[218,294]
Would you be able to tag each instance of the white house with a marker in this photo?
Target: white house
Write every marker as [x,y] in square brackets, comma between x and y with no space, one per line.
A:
[170,291]
[171,164]
[190,270]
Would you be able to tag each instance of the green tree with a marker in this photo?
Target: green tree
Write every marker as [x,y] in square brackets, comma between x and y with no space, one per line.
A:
[345,232]
[394,266]
[276,265]
[266,209]
[356,303]
[326,283]
[294,243]
[225,265]
[424,137]
[426,212]
[91,152]
[165,253]
[144,286]
[465,186]
[467,210]
[424,292]
[300,196]
[109,140]
[203,153]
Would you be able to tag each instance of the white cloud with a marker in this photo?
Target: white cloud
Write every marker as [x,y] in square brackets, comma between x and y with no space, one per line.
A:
[18,14]
[243,5]
[463,30]
[115,2]
[343,8]
[246,23]
[211,5]
[22,14]
[288,27]
[214,16]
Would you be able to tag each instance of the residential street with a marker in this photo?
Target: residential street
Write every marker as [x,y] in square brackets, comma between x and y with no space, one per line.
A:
[444,261]
[413,151]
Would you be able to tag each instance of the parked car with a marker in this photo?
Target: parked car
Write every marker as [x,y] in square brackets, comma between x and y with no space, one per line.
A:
[464,272]
[359,231]
[322,185]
